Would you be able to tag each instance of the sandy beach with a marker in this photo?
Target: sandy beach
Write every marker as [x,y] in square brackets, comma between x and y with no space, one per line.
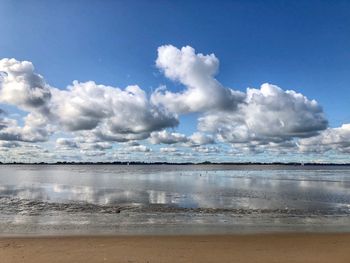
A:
[231,248]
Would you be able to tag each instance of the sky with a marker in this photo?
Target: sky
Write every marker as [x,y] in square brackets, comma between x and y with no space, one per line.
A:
[176,81]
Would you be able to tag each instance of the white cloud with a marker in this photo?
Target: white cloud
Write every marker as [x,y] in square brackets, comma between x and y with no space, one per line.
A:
[198,138]
[97,146]
[336,139]
[268,114]
[33,130]
[258,120]
[196,71]
[168,149]
[89,153]
[115,114]
[108,112]
[27,90]
[66,143]
[138,148]
[9,144]
[265,116]
[21,86]
[85,145]
[206,150]
[167,137]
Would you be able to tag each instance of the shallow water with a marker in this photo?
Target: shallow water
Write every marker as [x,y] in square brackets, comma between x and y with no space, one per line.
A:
[157,199]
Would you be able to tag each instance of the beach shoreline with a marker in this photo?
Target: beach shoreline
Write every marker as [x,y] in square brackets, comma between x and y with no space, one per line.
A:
[267,247]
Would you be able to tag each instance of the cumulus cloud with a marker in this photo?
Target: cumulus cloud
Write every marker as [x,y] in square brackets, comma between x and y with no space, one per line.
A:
[27,90]
[258,120]
[132,143]
[84,106]
[9,144]
[98,146]
[21,86]
[268,114]
[168,149]
[207,150]
[138,148]
[166,137]
[33,129]
[92,153]
[258,147]
[196,71]
[265,116]
[198,138]
[66,143]
[336,139]
[85,145]
[110,113]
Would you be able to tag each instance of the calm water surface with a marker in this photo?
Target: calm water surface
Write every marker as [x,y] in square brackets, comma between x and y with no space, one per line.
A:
[157,199]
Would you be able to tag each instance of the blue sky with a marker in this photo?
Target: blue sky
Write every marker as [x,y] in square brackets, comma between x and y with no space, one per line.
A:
[296,45]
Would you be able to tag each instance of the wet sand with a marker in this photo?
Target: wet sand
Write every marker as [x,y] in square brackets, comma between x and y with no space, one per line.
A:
[269,248]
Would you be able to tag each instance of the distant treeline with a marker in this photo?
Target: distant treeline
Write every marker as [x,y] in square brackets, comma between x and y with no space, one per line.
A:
[181,163]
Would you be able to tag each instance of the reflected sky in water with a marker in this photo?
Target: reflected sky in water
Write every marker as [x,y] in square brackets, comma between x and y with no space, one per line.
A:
[184,186]
[325,190]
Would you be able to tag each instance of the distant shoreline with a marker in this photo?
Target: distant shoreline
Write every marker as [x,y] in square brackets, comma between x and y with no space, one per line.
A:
[180,163]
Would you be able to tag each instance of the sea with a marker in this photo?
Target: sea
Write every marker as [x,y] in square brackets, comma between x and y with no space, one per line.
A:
[56,200]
